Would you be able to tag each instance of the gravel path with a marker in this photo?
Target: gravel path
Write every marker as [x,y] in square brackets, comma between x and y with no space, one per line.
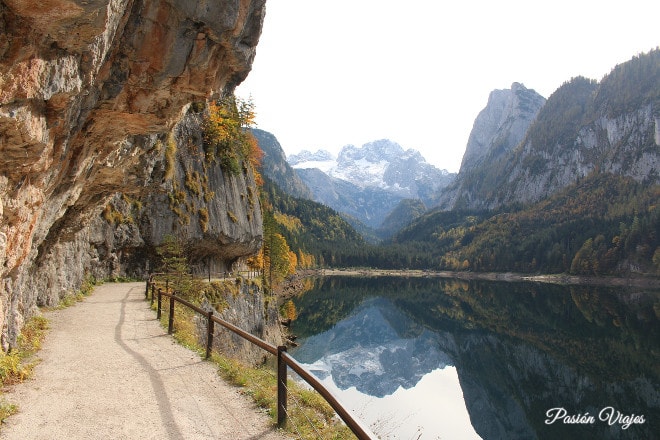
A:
[109,371]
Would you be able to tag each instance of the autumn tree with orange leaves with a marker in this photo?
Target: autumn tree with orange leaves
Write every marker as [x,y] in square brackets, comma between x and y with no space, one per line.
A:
[227,136]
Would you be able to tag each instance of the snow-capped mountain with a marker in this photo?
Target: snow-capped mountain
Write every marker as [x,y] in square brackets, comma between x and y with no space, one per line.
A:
[321,159]
[382,164]
[381,168]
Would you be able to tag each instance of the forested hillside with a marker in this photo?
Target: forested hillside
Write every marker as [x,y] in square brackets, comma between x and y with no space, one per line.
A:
[605,224]
[314,232]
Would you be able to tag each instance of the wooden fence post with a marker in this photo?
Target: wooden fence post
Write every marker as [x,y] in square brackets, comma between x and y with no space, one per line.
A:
[281,387]
[158,313]
[170,325]
[210,327]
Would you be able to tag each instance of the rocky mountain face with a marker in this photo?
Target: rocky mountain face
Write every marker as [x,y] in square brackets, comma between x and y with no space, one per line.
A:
[497,130]
[502,124]
[366,205]
[276,167]
[95,99]
[584,127]
[368,182]
[623,144]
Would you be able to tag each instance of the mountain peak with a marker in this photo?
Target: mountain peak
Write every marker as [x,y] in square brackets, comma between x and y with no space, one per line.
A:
[502,124]
[307,156]
[380,171]
[375,151]
[381,163]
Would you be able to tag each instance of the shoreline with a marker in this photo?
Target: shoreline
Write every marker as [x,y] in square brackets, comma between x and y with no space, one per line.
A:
[563,279]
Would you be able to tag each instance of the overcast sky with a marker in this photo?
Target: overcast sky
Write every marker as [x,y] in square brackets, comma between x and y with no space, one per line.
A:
[336,72]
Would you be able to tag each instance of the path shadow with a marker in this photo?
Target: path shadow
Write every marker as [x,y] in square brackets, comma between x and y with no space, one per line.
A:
[164,407]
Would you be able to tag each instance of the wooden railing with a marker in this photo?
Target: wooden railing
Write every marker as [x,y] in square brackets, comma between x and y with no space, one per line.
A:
[284,360]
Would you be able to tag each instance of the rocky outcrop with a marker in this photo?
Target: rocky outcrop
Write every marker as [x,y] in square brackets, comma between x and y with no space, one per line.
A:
[624,145]
[215,213]
[87,91]
[276,167]
[502,124]
[497,130]
[585,127]
[252,311]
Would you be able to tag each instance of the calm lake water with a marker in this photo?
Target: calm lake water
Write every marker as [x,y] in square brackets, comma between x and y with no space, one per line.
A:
[427,358]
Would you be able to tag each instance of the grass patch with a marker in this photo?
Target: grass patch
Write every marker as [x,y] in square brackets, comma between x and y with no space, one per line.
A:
[6,409]
[309,415]
[170,156]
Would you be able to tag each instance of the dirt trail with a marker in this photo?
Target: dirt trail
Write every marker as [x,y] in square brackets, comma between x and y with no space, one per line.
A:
[109,371]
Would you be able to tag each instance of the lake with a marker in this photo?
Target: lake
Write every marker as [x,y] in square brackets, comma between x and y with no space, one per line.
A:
[427,358]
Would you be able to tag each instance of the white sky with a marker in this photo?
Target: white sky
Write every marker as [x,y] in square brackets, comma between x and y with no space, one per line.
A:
[336,72]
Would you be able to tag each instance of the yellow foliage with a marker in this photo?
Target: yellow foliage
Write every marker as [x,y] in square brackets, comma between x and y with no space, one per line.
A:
[256,262]
[293,262]
[290,222]
[204,219]
[289,310]
[170,156]
[111,215]
[255,156]
[305,260]
[227,137]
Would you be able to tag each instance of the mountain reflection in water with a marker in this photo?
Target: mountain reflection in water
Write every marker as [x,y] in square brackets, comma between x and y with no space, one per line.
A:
[516,349]
[365,351]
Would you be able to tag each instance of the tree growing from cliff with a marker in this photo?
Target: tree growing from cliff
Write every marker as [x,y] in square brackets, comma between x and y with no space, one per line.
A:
[227,137]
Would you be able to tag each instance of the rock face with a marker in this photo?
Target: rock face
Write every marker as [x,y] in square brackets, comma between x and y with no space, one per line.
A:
[623,145]
[502,124]
[497,130]
[276,167]
[254,313]
[87,91]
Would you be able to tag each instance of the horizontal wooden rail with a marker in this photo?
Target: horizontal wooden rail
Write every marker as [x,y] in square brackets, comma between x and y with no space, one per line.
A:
[346,416]
[270,348]
[284,360]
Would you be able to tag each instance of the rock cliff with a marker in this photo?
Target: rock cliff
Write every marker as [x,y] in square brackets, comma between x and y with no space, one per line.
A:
[502,124]
[91,92]
[498,128]
[276,167]
[584,127]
